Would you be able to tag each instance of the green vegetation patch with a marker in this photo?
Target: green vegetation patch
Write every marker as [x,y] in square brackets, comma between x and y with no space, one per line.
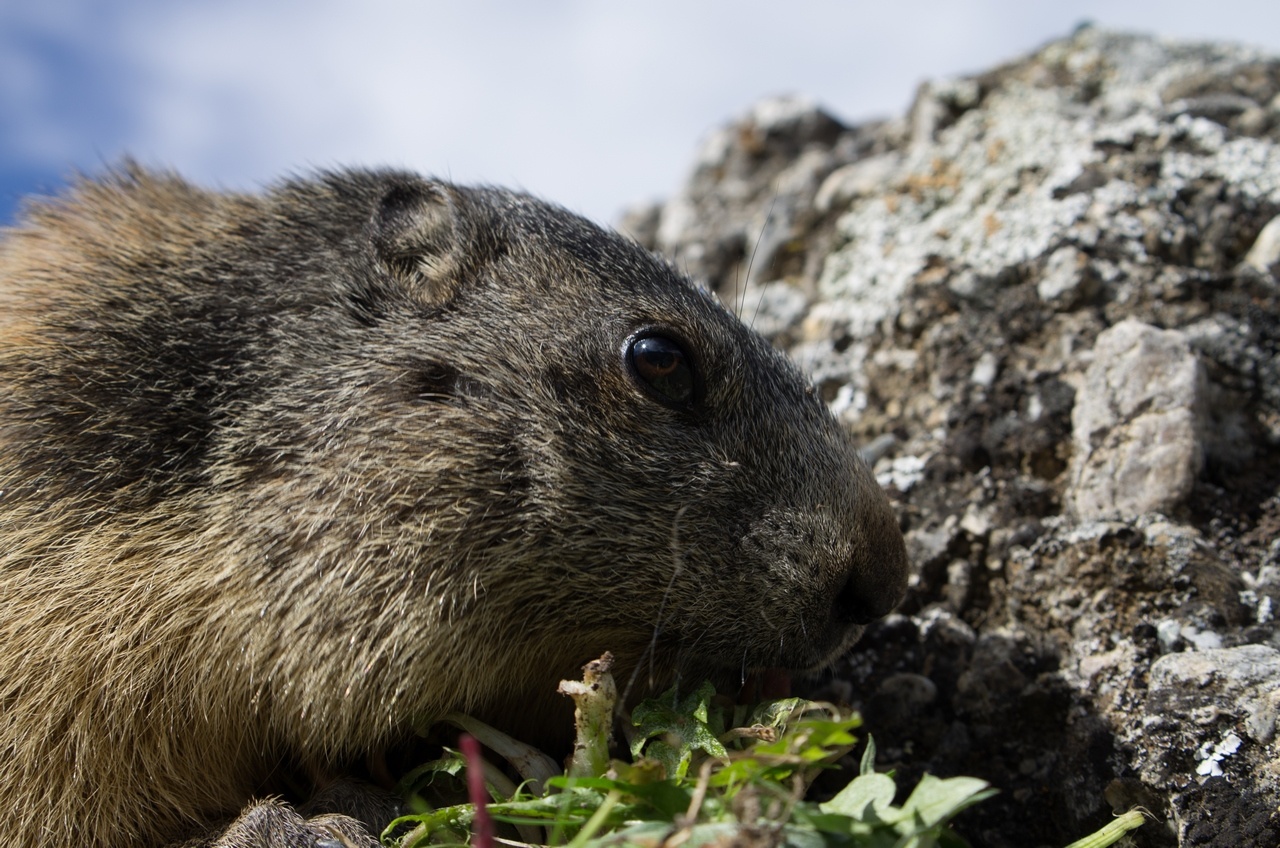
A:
[701,773]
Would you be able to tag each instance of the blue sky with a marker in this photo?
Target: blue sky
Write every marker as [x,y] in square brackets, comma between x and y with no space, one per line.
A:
[594,104]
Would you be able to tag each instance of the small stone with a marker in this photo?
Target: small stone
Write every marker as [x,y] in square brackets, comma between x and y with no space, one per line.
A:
[1209,765]
[976,521]
[1232,681]
[1203,640]
[911,691]
[1264,256]
[985,370]
[878,447]
[902,472]
[868,177]
[1066,280]
[1169,634]
[1138,423]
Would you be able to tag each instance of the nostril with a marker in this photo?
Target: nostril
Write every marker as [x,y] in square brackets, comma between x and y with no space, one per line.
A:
[872,593]
[876,572]
[858,603]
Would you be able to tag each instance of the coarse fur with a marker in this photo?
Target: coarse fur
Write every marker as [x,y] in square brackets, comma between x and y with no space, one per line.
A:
[282,476]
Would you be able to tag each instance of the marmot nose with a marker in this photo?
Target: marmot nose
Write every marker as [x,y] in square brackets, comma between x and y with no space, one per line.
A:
[875,585]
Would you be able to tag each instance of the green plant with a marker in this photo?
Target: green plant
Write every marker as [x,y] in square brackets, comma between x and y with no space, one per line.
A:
[702,772]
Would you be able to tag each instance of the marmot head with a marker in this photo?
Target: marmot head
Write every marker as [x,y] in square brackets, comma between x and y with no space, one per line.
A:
[499,440]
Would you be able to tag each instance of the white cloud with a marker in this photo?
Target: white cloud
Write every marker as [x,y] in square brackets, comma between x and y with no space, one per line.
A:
[593,104]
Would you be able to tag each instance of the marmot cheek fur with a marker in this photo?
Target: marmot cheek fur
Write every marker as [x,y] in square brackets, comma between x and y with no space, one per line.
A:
[281,475]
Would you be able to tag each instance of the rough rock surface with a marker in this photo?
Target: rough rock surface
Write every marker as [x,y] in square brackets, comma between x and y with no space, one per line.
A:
[1047,301]
[1138,424]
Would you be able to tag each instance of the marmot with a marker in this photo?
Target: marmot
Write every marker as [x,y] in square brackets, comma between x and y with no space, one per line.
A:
[282,475]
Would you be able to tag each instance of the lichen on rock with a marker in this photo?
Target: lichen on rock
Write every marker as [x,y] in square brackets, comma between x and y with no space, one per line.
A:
[1047,299]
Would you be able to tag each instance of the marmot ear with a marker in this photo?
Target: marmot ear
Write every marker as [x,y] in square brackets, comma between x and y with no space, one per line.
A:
[418,240]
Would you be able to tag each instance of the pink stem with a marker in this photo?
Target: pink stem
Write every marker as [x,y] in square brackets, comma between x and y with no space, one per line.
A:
[482,825]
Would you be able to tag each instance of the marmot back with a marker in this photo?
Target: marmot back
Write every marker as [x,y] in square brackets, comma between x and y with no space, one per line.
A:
[282,475]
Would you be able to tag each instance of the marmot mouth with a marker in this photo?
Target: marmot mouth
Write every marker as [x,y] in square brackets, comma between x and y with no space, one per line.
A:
[812,656]
[770,684]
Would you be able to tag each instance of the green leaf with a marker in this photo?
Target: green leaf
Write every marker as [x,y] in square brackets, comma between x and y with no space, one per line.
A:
[868,764]
[743,770]
[644,770]
[654,834]
[932,803]
[667,798]
[867,798]
[677,728]
[451,765]
[456,818]
[776,713]
[812,738]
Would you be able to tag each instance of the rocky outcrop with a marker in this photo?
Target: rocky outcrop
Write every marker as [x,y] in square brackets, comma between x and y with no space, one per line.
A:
[1048,301]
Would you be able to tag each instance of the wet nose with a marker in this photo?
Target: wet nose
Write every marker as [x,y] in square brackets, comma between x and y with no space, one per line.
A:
[877,579]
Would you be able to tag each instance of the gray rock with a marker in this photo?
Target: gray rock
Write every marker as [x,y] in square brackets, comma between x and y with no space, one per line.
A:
[773,309]
[1007,182]
[1239,683]
[1068,279]
[1091,502]
[1264,256]
[1138,423]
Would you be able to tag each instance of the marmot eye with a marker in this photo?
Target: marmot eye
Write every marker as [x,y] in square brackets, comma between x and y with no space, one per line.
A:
[662,366]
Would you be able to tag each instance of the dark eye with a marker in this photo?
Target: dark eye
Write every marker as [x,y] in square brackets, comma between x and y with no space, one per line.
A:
[661,365]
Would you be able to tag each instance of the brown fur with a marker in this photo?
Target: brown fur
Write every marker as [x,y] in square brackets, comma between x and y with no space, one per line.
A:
[281,475]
